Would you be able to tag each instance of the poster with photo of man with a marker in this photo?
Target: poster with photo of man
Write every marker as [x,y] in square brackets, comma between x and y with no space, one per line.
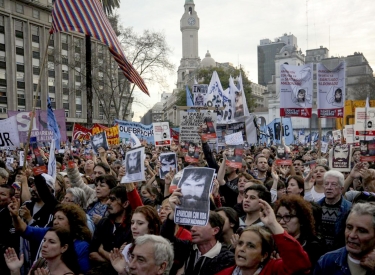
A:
[340,158]
[192,154]
[168,161]
[99,140]
[367,148]
[208,129]
[134,165]
[336,135]
[282,156]
[234,155]
[195,184]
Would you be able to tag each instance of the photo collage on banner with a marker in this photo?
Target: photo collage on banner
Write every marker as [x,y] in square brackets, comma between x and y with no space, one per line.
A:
[134,165]
[331,91]
[340,158]
[195,184]
[296,90]
[99,140]
[168,162]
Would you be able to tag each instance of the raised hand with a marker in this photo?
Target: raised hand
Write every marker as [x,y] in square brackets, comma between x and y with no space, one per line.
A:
[267,216]
[118,261]
[11,259]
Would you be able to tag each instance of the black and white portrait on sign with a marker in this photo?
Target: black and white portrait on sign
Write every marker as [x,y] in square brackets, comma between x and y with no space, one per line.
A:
[195,184]
[168,161]
[134,165]
[99,140]
[340,158]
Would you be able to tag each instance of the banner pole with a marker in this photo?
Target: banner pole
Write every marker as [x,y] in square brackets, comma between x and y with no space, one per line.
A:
[310,133]
[320,137]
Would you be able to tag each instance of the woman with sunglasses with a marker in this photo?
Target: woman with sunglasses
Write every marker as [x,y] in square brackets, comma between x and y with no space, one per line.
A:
[295,215]
[256,244]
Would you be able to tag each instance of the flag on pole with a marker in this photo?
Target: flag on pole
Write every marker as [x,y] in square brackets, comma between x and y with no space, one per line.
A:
[189,99]
[134,141]
[52,160]
[88,17]
[52,124]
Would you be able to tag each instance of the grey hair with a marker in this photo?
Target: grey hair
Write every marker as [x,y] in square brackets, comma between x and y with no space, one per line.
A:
[336,174]
[364,209]
[79,196]
[4,173]
[163,250]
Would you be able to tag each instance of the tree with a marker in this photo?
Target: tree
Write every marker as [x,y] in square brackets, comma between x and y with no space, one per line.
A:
[149,54]
[204,75]
[110,5]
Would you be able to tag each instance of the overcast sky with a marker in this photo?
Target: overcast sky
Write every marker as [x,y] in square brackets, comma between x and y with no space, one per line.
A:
[231,30]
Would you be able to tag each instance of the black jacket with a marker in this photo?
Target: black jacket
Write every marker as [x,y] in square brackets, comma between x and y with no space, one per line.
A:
[184,253]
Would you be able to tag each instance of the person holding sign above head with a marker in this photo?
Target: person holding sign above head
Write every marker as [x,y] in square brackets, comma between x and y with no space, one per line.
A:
[204,255]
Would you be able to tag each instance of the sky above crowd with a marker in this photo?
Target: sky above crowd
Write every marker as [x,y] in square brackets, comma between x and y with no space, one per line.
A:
[231,30]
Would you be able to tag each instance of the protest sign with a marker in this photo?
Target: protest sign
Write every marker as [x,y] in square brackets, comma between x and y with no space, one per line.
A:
[40,166]
[192,152]
[134,165]
[234,139]
[22,157]
[99,140]
[349,129]
[162,134]
[9,136]
[223,130]
[168,161]
[81,133]
[367,148]
[112,133]
[296,90]
[364,127]
[336,135]
[195,184]
[276,131]
[143,132]
[234,156]
[340,158]
[190,122]
[331,91]
[199,93]
[282,156]
[40,126]
[208,129]
[324,147]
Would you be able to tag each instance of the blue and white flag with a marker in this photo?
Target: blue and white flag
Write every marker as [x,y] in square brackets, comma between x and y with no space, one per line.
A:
[301,136]
[275,131]
[264,136]
[238,99]
[52,160]
[52,124]
[189,99]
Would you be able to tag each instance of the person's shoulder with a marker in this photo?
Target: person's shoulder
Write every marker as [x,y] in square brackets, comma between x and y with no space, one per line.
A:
[226,271]
[335,256]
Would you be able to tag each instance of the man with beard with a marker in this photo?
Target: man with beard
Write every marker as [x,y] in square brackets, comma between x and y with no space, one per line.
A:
[133,162]
[195,185]
[262,168]
[168,162]
[113,231]
[191,151]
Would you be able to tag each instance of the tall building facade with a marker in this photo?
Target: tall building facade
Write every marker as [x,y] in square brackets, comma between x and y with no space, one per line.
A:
[189,26]
[267,51]
[24,40]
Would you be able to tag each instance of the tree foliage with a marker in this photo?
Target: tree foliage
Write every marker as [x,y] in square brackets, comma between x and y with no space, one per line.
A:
[204,75]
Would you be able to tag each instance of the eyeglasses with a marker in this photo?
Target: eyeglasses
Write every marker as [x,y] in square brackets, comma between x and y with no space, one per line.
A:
[111,198]
[286,218]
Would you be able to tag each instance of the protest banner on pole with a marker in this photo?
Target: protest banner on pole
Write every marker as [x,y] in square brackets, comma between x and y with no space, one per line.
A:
[190,122]
[143,132]
[331,91]
[364,127]
[296,90]
[199,93]
[9,136]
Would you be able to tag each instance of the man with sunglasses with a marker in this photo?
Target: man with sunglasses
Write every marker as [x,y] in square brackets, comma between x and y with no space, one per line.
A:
[113,231]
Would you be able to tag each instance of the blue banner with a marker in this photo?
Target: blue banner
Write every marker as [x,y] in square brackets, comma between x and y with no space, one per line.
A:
[143,132]
[274,131]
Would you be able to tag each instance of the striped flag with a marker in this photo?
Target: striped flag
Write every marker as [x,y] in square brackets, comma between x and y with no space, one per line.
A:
[88,17]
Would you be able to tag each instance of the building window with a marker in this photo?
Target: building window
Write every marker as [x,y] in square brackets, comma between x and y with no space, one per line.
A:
[20,59]
[2,20]
[2,73]
[64,38]
[49,19]
[19,8]
[78,114]
[36,14]
[1,3]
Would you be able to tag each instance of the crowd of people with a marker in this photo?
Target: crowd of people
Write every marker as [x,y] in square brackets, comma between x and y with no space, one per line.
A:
[264,218]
